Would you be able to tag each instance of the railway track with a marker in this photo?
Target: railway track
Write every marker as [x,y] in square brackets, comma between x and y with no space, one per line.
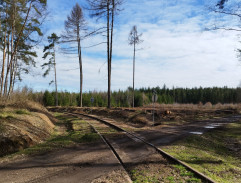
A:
[101,125]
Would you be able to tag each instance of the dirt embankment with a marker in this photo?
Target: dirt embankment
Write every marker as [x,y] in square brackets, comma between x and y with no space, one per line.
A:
[23,125]
[143,117]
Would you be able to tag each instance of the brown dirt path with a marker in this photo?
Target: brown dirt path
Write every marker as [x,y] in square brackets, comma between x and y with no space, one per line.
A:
[85,163]
[166,135]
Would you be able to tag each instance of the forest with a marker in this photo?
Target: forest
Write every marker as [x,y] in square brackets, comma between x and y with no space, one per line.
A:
[143,96]
[21,31]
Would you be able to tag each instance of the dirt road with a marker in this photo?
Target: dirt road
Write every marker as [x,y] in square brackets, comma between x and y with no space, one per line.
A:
[162,136]
[94,162]
[86,163]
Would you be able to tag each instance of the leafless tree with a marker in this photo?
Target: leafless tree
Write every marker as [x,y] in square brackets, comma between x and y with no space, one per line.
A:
[228,8]
[134,39]
[74,25]
[106,9]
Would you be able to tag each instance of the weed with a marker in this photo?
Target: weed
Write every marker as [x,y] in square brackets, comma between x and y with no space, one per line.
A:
[183,171]
[22,111]
[6,115]
[141,177]
[80,133]
[171,179]
[192,180]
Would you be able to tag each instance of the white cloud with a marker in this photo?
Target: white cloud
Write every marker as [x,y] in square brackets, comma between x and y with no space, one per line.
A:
[177,52]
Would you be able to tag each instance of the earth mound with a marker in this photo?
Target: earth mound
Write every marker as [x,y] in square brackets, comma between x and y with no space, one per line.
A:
[23,125]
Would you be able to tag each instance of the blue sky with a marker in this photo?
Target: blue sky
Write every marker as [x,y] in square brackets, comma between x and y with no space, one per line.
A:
[177,51]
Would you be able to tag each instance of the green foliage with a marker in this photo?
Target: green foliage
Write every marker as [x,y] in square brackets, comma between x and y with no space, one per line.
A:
[80,133]
[141,177]
[49,51]
[214,153]
[194,95]
[48,99]
[22,111]
[143,96]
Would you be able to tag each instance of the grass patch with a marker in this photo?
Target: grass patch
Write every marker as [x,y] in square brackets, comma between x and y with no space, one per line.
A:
[11,113]
[145,176]
[190,177]
[141,177]
[80,132]
[6,115]
[215,153]
[57,142]
[22,111]
[185,173]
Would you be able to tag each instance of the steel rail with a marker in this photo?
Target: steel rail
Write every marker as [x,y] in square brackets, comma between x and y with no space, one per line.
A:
[107,143]
[160,151]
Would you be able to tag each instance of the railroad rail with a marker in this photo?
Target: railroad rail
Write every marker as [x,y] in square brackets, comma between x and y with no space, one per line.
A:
[132,136]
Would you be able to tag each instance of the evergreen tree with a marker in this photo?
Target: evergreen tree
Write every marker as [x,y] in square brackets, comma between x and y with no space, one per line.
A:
[19,33]
[50,51]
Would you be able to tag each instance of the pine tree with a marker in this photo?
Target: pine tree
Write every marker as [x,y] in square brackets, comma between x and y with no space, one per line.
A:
[20,30]
[50,51]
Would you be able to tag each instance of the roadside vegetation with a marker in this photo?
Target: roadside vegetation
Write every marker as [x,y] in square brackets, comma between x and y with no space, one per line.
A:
[188,98]
[22,125]
[165,114]
[177,173]
[69,131]
[215,153]
[143,96]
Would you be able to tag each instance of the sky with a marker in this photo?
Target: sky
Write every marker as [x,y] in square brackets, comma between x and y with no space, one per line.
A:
[177,50]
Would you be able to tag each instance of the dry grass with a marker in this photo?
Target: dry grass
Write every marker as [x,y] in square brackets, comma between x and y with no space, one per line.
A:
[200,106]
[23,99]
[23,122]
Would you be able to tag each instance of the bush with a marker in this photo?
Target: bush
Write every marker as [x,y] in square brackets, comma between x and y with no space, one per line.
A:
[208,105]
[48,99]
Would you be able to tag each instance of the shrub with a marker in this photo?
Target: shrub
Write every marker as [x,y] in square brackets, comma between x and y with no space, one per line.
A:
[48,99]
[208,105]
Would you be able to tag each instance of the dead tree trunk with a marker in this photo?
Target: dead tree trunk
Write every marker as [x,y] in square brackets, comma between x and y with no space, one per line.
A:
[55,81]
[133,92]
[108,53]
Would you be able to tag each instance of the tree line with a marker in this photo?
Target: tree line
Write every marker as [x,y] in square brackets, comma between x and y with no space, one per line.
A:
[20,31]
[143,96]
[76,30]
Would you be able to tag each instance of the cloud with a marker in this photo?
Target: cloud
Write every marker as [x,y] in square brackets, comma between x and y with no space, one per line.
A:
[176,49]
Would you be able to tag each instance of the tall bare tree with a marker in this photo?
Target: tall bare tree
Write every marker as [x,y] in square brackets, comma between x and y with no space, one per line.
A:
[50,51]
[134,39]
[106,9]
[74,25]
